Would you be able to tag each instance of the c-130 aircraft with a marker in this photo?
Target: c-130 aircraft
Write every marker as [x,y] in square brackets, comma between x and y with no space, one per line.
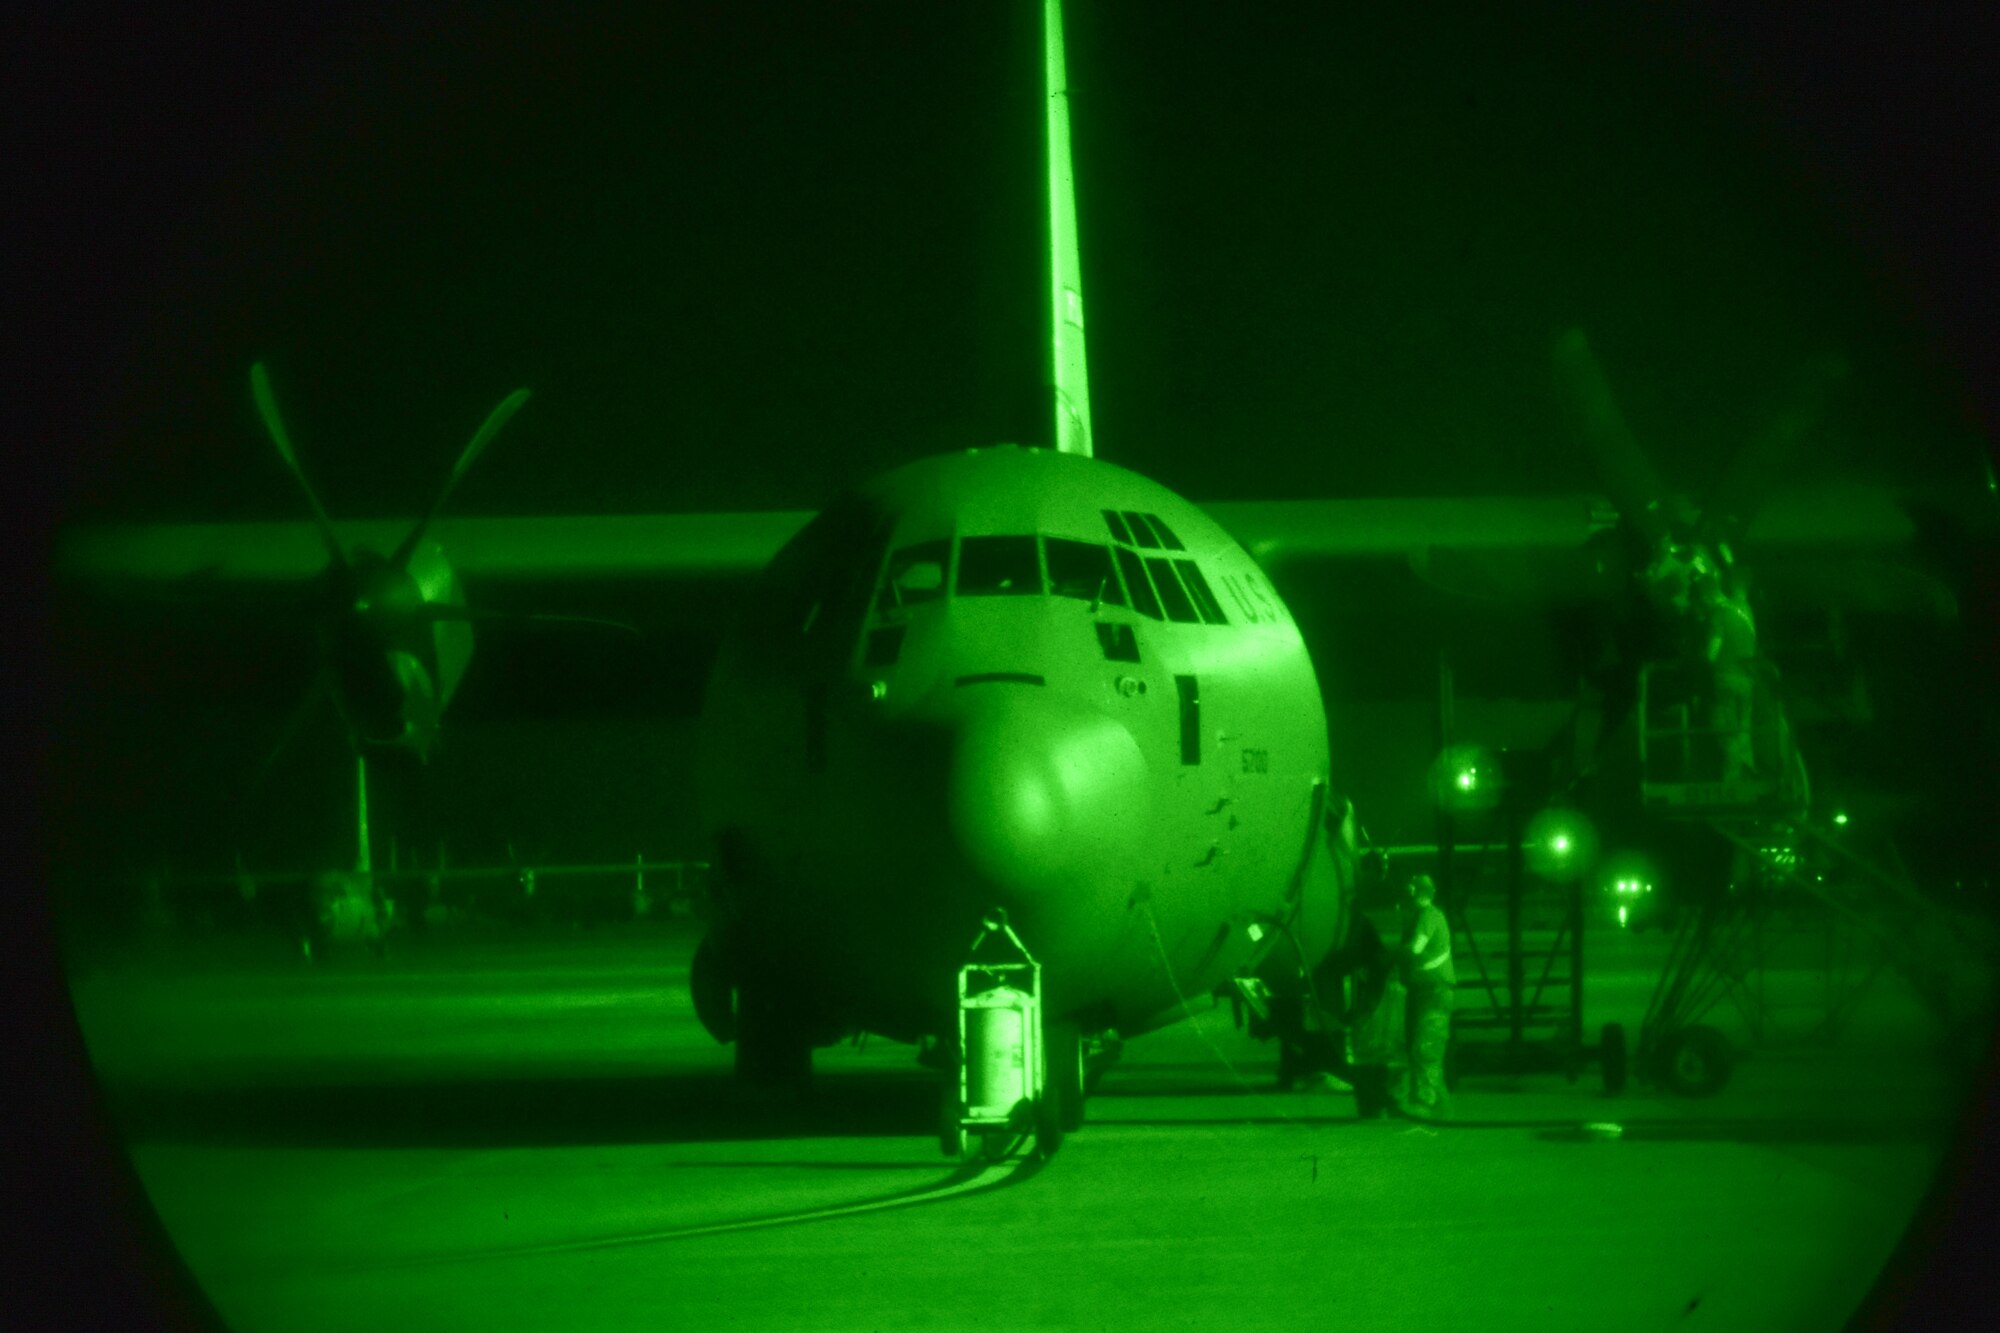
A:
[1010,678]
[1028,679]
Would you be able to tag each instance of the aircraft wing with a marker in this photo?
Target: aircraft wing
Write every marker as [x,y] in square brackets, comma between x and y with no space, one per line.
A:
[1849,547]
[724,545]
[606,546]
[1281,531]
[1276,531]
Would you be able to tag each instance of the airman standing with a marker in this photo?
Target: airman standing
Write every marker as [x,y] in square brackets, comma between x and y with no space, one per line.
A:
[1424,957]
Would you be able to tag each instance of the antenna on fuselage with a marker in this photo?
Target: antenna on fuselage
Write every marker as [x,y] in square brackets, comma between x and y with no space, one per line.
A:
[1069,381]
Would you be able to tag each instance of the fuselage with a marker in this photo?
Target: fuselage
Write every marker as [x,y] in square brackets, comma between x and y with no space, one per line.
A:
[1016,678]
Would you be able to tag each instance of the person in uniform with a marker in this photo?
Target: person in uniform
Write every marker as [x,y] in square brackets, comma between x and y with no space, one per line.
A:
[1374,1023]
[1307,1018]
[1424,957]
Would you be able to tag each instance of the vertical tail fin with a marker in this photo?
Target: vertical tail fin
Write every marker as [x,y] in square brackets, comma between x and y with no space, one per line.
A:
[1068,378]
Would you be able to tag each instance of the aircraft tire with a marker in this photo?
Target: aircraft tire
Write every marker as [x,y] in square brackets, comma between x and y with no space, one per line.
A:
[953,1137]
[1695,1062]
[1049,1132]
[710,988]
[772,1049]
[1099,1056]
[1062,1084]
[1612,1058]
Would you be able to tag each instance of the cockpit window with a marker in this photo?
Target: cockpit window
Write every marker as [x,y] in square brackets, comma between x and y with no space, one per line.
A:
[1166,534]
[1143,600]
[1173,597]
[1142,531]
[998,567]
[1116,522]
[1204,596]
[915,574]
[1082,570]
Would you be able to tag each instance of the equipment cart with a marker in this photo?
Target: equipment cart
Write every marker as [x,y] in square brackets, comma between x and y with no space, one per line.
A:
[998,1091]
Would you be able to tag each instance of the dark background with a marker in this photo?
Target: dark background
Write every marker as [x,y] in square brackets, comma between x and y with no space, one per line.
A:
[745,253]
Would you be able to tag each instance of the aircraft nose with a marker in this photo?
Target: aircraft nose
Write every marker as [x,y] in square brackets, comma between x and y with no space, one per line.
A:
[1046,797]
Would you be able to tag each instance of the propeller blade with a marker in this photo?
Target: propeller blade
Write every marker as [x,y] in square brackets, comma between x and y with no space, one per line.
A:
[495,419]
[1768,456]
[1622,466]
[267,407]
[315,695]
[439,612]
[1861,584]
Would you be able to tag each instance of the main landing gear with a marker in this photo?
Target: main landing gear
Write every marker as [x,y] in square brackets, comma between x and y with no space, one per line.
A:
[1015,1073]
[761,1009]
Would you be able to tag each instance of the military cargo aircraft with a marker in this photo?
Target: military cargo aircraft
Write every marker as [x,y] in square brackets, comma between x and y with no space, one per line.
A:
[1011,678]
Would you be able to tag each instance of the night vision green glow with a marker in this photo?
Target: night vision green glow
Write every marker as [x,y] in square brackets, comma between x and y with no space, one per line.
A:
[455,1095]
[1068,373]
[1630,890]
[1559,844]
[1466,777]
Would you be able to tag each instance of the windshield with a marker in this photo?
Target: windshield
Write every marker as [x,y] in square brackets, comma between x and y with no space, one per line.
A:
[1082,570]
[915,574]
[998,567]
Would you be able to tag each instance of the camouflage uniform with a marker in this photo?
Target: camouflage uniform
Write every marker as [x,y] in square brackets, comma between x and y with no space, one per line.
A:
[1430,980]
[1375,1031]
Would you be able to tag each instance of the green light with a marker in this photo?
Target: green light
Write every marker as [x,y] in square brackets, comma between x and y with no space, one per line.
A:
[1840,817]
[1560,843]
[1466,777]
[1621,914]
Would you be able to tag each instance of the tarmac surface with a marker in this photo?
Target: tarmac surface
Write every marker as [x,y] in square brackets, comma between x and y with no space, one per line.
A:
[497,1132]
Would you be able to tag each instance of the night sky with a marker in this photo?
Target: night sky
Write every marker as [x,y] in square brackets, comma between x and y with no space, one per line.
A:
[747,253]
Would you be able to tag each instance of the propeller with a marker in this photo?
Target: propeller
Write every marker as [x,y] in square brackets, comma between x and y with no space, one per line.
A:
[1684,543]
[274,423]
[1635,488]
[381,618]
[1653,522]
